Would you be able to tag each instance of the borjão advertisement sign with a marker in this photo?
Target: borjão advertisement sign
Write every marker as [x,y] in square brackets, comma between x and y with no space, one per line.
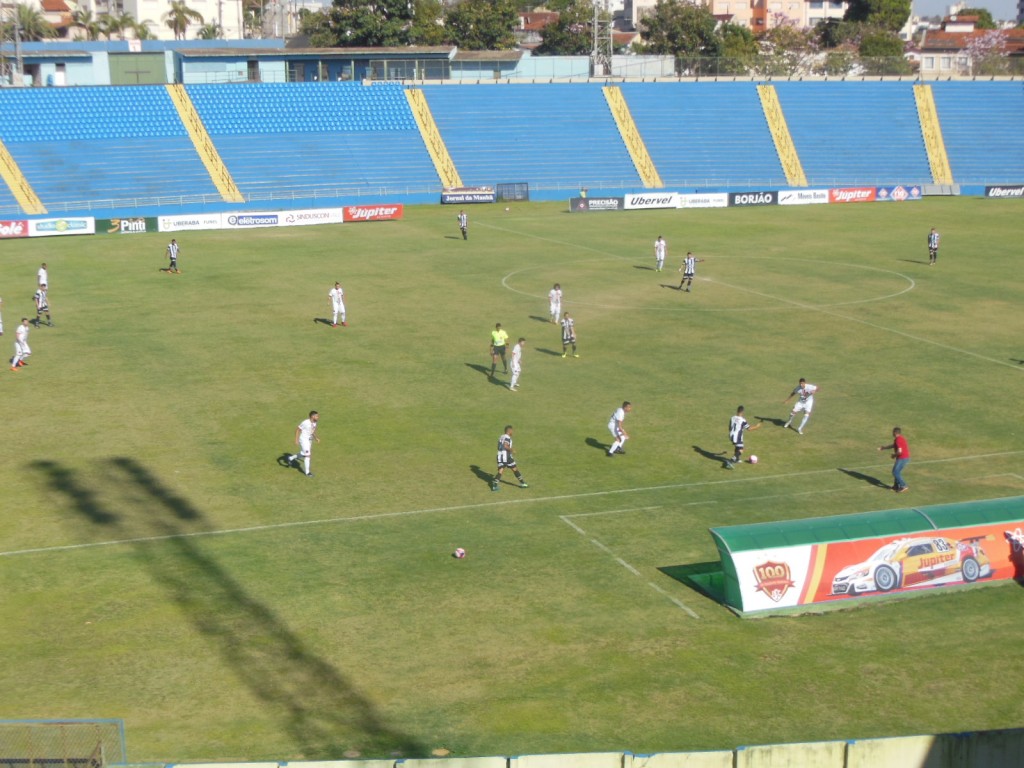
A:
[356,213]
[10,229]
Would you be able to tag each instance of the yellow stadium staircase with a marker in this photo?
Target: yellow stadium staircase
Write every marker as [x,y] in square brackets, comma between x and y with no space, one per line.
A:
[784,146]
[931,130]
[215,166]
[436,148]
[18,184]
[631,137]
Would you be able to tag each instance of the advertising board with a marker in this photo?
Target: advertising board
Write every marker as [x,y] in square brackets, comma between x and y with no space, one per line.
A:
[803,196]
[9,229]
[464,195]
[584,204]
[837,571]
[649,200]
[73,225]
[357,213]
[180,223]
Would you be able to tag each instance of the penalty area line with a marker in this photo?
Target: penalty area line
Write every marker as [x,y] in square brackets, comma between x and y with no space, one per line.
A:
[478,505]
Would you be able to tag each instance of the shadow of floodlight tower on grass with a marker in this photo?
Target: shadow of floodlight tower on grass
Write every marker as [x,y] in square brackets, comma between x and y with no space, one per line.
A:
[325,716]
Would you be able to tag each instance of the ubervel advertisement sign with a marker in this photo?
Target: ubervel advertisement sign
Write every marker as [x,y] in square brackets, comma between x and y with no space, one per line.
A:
[1005,190]
[649,200]
[753,198]
[584,204]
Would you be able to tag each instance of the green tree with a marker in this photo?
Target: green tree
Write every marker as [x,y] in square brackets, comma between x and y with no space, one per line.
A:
[427,23]
[180,16]
[90,25]
[482,25]
[316,25]
[888,14]
[881,53]
[985,20]
[358,23]
[211,30]
[787,49]
[739,49]
[572,34]
[684,30]
[32,25]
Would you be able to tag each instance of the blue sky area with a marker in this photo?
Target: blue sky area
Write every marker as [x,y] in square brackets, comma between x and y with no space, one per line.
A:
[1001,10]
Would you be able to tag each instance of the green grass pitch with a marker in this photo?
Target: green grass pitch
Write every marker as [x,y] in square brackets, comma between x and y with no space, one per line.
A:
[158,564]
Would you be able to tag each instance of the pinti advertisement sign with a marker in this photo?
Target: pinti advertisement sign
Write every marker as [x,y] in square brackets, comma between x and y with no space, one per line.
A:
[134,226]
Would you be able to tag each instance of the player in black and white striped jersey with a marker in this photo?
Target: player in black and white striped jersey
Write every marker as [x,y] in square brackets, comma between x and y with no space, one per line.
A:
[689,269]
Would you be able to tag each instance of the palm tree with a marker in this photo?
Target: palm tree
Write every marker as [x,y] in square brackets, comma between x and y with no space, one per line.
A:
[109,25]
[91,26]
[180,16]
[211,30]
[125,23]
[142,30]
[32,25]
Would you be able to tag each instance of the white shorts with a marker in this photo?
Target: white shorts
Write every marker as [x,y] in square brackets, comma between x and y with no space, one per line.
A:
[305,447]
[21,348]
[556,309]
[804,406]
[339,306]
[616,431]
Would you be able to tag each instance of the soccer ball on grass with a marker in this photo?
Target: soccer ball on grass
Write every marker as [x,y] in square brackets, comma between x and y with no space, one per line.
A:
[459,553]
[753,459]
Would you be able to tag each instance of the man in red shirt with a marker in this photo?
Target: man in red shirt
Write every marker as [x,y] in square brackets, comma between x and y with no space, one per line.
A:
[901,453]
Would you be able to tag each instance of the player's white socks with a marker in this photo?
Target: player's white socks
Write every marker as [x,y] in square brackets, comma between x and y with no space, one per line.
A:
[515,380]
[306,462]
[804,422]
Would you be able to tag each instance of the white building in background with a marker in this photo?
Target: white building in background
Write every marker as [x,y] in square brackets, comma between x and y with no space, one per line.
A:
[226,13]
[758,15]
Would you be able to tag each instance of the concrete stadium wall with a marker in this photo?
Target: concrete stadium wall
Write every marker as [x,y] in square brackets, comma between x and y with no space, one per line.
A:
[991,749]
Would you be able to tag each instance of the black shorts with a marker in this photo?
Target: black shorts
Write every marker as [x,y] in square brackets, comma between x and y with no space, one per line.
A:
[500,351]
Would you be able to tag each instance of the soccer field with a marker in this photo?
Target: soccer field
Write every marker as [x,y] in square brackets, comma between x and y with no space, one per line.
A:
[160,564]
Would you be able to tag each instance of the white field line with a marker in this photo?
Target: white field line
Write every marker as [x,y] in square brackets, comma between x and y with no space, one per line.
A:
[608,551]
[479,505]
[876,326]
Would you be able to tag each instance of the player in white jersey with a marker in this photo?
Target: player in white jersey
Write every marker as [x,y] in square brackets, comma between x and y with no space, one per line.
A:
[305,434]
[463,220]
[617,430]
[42,276]
[555,303]
[21,348]
[689,269]
[660,249]
[568,335]
[804,394]
[506,460]
[172,254]
[738,425]
[517,364]
[337,297]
